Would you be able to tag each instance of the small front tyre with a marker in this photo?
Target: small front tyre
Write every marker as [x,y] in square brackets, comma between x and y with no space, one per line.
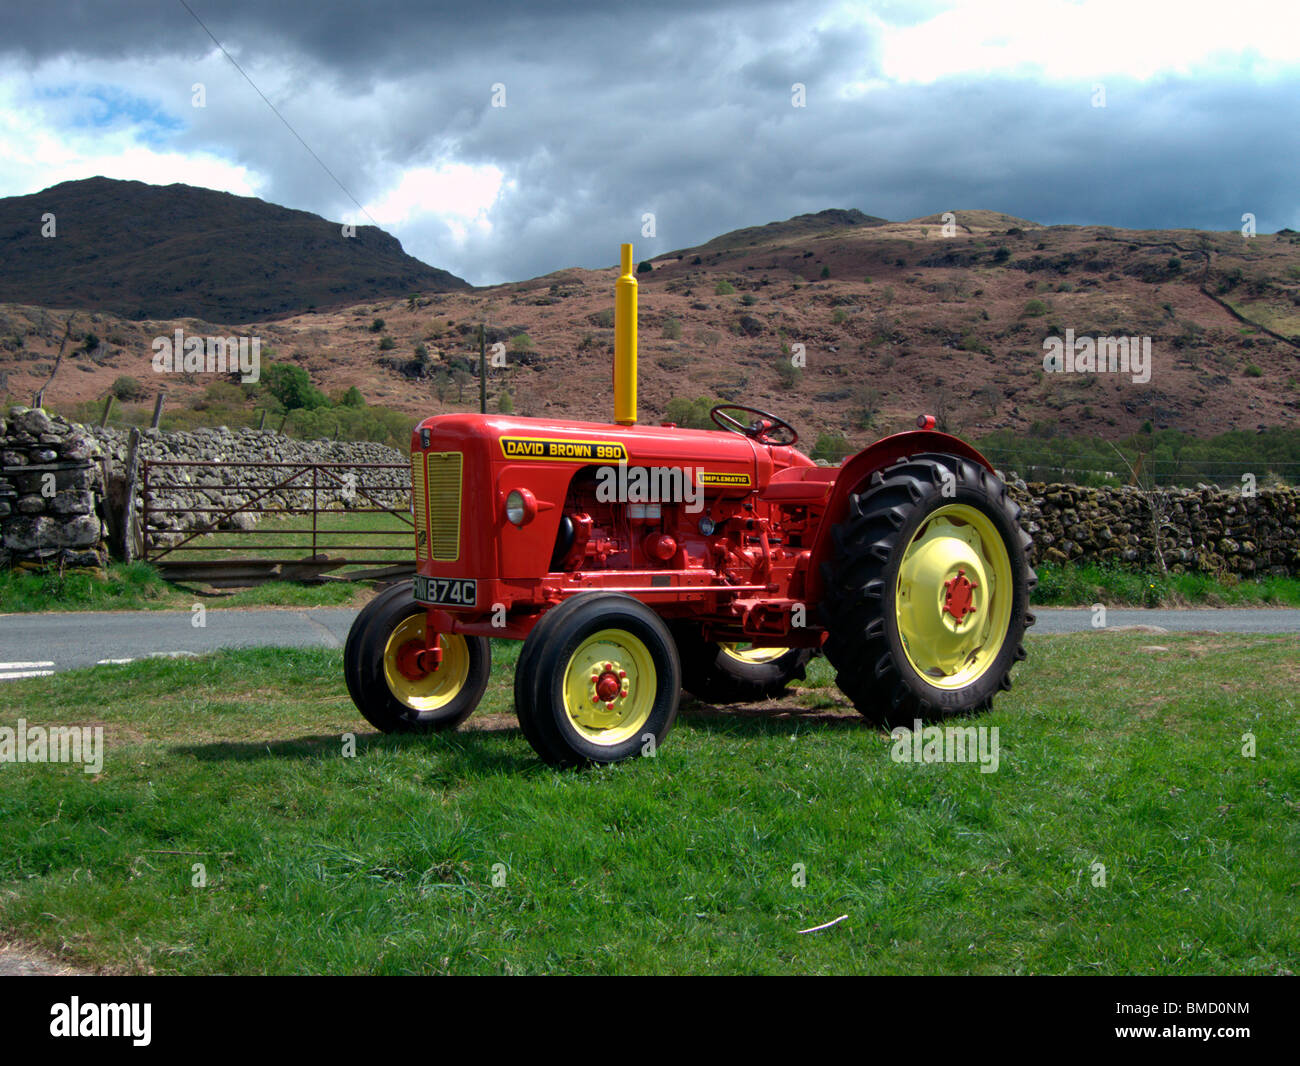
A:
[388,679]
[600,681]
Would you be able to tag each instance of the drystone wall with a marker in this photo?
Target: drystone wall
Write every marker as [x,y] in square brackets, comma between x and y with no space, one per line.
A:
[51,484]
[63,491]
[1206,529]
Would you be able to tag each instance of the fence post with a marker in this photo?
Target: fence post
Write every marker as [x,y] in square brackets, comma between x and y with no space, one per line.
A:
[482,368]
[314,509]
[108,406]
[128,505]
[157,410]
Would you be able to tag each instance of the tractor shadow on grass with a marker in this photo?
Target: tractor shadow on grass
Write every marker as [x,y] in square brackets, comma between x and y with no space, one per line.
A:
[775,717]
[482,750]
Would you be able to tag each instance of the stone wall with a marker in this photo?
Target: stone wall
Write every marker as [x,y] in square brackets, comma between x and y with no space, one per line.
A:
[62,487]
[50,488]
[1207,530]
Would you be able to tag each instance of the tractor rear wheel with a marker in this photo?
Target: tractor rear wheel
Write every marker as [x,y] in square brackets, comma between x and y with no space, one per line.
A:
[735,673]
[387,678]
[927,597]
[598,680]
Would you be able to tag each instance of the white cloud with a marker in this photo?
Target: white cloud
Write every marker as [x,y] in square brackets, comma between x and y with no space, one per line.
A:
[42,143]
[1060,40]
[457,194]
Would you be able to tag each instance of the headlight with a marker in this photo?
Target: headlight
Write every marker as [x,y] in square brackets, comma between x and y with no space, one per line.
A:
[521,506]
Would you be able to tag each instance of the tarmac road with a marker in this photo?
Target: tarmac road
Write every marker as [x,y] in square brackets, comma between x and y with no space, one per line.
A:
[38,644]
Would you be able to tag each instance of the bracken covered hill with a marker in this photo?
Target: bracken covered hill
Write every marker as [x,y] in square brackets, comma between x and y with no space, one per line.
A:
[895,318]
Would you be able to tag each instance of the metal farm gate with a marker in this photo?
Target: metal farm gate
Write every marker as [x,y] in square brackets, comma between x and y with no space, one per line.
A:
[240,523]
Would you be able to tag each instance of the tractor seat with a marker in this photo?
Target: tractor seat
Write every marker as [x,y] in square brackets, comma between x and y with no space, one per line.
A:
[800,485]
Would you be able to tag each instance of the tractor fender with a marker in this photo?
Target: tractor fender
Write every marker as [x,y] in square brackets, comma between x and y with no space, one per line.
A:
[855,474]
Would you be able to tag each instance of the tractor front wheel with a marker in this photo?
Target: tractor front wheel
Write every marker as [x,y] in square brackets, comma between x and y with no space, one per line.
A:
[598,681]
[927,598]
[390,680]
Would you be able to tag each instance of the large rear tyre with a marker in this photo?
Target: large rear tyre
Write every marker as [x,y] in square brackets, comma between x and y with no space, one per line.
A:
[927,596]
[598,681]
[735,673]
[393,688]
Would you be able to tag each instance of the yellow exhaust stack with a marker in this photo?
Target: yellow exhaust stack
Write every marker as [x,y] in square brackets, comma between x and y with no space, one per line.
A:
[625,342]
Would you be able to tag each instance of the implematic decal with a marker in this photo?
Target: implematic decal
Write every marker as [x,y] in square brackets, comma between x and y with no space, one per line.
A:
[583,451]
[719,478]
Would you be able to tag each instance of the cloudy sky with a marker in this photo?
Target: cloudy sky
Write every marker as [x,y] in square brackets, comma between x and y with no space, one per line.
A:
[1123,112]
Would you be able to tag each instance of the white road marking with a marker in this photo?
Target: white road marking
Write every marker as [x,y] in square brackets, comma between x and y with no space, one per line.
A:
[113,662]
[14,671]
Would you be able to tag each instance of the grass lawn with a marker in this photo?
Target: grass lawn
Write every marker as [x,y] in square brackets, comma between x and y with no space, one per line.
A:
[1112,750]
[1083,584]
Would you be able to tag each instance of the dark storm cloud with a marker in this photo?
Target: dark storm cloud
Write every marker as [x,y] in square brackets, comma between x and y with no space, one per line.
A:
[618,109]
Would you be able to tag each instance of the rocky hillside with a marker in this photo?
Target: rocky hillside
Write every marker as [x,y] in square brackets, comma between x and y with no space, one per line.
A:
[894,318]
[150,251]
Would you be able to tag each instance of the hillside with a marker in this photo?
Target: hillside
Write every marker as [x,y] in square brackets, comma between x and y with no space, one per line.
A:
[905,320]
[151,251]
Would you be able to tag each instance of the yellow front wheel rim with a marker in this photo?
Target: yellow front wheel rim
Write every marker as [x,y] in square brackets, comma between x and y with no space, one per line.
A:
[747,653]
[953,598]
[610,684]
[435,689]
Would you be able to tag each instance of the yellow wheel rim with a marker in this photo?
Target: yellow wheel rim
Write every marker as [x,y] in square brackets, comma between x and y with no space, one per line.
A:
[609,687]
[747,653]
[433,690]
[953,598]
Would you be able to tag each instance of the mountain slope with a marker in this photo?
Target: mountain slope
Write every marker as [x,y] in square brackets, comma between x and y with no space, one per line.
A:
[895,319]
[153,251]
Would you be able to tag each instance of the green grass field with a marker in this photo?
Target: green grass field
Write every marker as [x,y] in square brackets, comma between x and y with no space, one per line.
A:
[1113,750]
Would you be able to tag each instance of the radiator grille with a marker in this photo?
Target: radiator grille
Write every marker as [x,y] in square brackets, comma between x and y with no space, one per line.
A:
[419,506]
[443,492]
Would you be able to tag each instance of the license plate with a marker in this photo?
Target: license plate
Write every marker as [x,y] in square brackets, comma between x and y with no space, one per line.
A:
[447,591]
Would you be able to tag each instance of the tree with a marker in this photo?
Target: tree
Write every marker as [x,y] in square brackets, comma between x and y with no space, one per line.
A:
[292,387]
[353,398]
[460,378]
[505,404]
[126,388]
[832,447]
[690,414]
[441,384]
[867,402]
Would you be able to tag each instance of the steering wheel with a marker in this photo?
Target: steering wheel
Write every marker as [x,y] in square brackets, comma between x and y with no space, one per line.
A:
[762,429]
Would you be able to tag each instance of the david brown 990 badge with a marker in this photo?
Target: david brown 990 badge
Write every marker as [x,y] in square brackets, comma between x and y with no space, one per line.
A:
[447,591]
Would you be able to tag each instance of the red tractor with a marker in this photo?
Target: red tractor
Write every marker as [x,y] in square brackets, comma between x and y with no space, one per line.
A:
[635,562]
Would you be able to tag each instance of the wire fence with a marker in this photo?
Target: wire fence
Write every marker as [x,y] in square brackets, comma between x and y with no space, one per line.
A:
[1167,472]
